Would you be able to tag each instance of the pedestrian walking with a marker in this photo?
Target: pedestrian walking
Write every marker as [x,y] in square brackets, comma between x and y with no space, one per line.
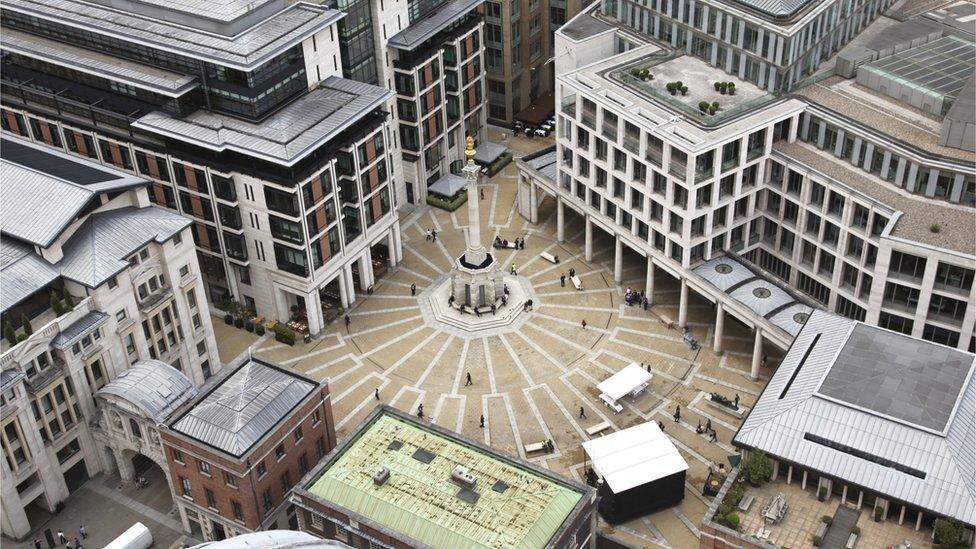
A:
[427,235]
[714,437]
[661,425]
[482,421]
[481,193]
[468,381]
[763,362]
[420,413]
[513,270]
[83,530]
[708,425]
[572,272]
[562,280]
[376,393]
[737,400]
[413,289]
[583,324]
[348,321]
[582,413]
[37,544]
[433,236]
[648,366]
[61,539]
[677,414]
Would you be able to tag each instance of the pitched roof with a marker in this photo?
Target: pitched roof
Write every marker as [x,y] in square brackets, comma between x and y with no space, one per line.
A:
[911,437]
[21,272]
[154,387]
[242,407]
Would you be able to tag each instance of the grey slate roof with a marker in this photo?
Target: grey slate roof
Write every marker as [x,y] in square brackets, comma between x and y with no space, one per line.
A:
[544,162]
[448,185]
[9,376]
[793,409]
[138,75]
[79,328]
[21,272]
[760,295]
[778,9]
[154,387]
[43,191]
[35,207]
[245,51]
[100,247]
[242,407]
[426,27]
[284,137]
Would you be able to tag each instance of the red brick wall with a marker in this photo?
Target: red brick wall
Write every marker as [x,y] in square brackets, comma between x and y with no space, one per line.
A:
[250,488]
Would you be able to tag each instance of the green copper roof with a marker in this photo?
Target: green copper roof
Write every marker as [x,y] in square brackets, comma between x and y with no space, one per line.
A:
[421,501]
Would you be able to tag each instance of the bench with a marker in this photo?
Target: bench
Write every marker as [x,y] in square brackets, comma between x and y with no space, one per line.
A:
[577,283]
[821,530]
[549,257]
[851,540]
[746,502]
[666,320]
[535,447]
[598,428]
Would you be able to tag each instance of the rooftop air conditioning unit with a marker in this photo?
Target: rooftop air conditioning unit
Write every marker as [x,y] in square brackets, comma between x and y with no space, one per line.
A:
[463,477]
[381,476]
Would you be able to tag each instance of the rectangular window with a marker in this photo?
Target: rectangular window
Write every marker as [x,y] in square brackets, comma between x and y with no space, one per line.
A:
[280,452]
[185,487]
[204,467]
[298,434]
[238,511]
[211,498]
[230,480]
[262,470]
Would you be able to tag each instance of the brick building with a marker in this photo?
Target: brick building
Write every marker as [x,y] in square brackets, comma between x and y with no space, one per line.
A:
[236,450]
[402,482]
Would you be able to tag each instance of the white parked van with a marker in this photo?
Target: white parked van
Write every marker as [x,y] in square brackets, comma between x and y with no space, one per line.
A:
[136,537]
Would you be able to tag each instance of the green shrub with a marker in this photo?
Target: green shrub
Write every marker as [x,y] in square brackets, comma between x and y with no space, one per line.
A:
[69,302]
[731,88]
[735,494]
[28,329]
[285,334]
[56,304]
[259,329]
[723,509]
[715,105]
[827,519]
[249,326]
[856,530]
[718,86]
[935,228]
[635,72]
[703,106]
[9,333]
[228,319]
[758,467]
[950,533]
[448,205]
[684,90]
[732,521]
[239,322]
[499,164]
[817,540]
[21,337]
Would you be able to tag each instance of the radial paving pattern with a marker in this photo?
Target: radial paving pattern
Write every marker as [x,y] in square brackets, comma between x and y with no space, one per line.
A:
[531,382]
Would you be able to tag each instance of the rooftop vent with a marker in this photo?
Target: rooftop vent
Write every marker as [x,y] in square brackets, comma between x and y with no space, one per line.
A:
[423,456]
[461,476]
[500,487]
[468,496]
[395,445]
[381,476]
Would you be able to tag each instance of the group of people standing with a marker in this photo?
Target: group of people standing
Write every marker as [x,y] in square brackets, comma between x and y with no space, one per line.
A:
[633,297]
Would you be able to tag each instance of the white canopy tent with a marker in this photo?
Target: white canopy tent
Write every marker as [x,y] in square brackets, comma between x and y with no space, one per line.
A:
[629,381]
[634,457]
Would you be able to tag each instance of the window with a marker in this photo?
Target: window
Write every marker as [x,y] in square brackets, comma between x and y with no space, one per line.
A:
[280,452]
[185,487]
[285,485]
[201,348]
[178,457]
[113,283]
[303,464]
[266,500]
[230,480]
[120,316]
[320,448]
[262,470]
[238,511]
[906,266]
[204,467]
[298,434]
[316,417]
[211,498]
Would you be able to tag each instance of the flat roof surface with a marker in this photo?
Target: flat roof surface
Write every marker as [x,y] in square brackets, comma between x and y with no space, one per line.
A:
[793,420]
[893,375]
[423,29]
[287,135]
[957,230]
[242,407]
[939,68]
[448,185]
[634,456]
[246,50]
[584,25]
[629,378]
[99,64]
[542,161]
[511,505]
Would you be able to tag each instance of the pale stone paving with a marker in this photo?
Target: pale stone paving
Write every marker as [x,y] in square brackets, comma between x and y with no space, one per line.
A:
[530,383]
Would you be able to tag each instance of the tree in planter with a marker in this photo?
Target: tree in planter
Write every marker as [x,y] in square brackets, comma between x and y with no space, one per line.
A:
[822,494]
[731,88]
[259,329]
[827,519]
[646,75]
[817,540]
[229,319]
[249,326]
[56,304]
[878,512]
[758,468]
[723,87]
[670,87]
[9,333]
[28,329]
[703,106]
[684,90]
[635,72]
[950,533]
[238,322]
[718,86]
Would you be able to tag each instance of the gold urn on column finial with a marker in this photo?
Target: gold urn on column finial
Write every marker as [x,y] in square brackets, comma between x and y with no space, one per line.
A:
[469,150]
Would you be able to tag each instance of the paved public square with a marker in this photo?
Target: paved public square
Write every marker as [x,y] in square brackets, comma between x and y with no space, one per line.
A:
[530,383]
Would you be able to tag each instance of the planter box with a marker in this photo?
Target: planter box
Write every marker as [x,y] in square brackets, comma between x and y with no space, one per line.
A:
[284,340]
[737,413]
